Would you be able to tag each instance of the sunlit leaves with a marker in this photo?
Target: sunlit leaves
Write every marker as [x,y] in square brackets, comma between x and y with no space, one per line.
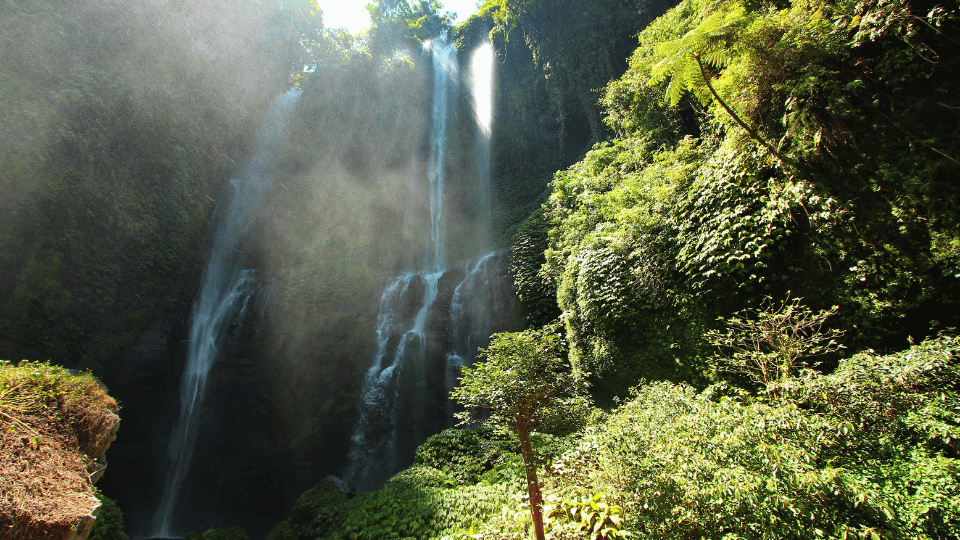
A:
[707,43]
[402,24]
[522,379]
[769,344]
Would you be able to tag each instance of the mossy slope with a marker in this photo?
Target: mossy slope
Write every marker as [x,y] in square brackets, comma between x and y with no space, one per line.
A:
[55,427]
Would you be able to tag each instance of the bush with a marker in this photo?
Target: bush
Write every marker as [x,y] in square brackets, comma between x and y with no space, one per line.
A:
[465,454]
[869,450]
[109,524]
[223,533]
[315,508]
[420,503]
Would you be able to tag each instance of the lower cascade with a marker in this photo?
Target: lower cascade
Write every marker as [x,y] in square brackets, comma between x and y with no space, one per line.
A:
[429,326]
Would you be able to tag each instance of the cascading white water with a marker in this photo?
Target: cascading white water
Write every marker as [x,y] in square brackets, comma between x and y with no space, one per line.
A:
[416,367]
[470,318]
[428,325]
[400,335]
[444,77]
[224,297]
[374,453]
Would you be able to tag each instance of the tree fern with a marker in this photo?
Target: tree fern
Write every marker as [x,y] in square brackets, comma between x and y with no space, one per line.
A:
[711,43]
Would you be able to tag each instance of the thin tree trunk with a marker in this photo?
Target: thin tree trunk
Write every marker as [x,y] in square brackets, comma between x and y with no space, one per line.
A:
[533,484]
[736,118]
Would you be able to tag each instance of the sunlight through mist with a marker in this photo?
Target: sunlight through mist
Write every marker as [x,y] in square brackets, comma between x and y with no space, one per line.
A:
[481,70]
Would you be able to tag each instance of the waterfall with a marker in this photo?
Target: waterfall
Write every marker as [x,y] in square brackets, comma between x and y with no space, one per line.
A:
[476,302]
[444,77]
[429,326]
[225,294]
[432,321]
[401,340]
[375,453]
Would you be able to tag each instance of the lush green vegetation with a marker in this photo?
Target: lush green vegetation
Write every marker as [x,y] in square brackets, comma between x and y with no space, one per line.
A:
[761,150]
[868,451]
[741,216]
[109,524]
[755,263]
[519,382]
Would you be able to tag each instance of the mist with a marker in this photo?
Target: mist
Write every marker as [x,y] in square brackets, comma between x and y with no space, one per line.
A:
[122,123]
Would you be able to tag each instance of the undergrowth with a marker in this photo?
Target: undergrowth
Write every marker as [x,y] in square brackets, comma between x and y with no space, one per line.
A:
[869,451]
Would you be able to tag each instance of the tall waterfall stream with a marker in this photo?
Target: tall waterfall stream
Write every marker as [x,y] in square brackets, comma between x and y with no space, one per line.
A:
[413,369]
[430,322]
[223,299]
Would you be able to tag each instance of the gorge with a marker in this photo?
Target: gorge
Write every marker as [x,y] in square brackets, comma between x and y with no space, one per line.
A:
[430,321]
[730,229]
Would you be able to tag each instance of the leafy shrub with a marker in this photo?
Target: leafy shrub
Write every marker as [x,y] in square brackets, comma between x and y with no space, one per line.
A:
[868,450]
[572,514]
[315,508]
[903,415]
[223,533]
[109,523]
[465,454]
[770,344]
[420,503]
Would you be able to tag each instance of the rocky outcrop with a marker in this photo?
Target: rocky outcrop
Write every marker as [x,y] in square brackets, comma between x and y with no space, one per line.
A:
[55,428]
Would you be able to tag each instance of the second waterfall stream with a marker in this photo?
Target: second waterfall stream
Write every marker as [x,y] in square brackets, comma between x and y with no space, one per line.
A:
[431,320]
[225,294]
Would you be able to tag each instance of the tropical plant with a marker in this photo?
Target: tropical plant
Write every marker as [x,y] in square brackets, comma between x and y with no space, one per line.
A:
[109,523]
[687,62]
[521,381]
[465,454]
[771,343]
[402,24]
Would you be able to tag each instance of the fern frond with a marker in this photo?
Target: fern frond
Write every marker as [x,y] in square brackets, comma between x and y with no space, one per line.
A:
[718,58]
[670,48]
[660,71]
[675,91]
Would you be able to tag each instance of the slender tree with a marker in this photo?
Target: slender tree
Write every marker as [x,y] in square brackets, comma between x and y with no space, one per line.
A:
[769,344]
[521,381]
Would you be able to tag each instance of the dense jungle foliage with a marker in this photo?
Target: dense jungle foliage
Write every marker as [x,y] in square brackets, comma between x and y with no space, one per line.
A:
[671,183]
[868,451]
[757,264]
[762,150]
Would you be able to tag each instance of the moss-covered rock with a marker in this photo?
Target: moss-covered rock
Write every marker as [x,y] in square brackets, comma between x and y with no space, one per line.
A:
[55,427]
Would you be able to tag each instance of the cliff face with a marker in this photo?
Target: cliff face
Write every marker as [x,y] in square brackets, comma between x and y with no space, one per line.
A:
[54,430]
